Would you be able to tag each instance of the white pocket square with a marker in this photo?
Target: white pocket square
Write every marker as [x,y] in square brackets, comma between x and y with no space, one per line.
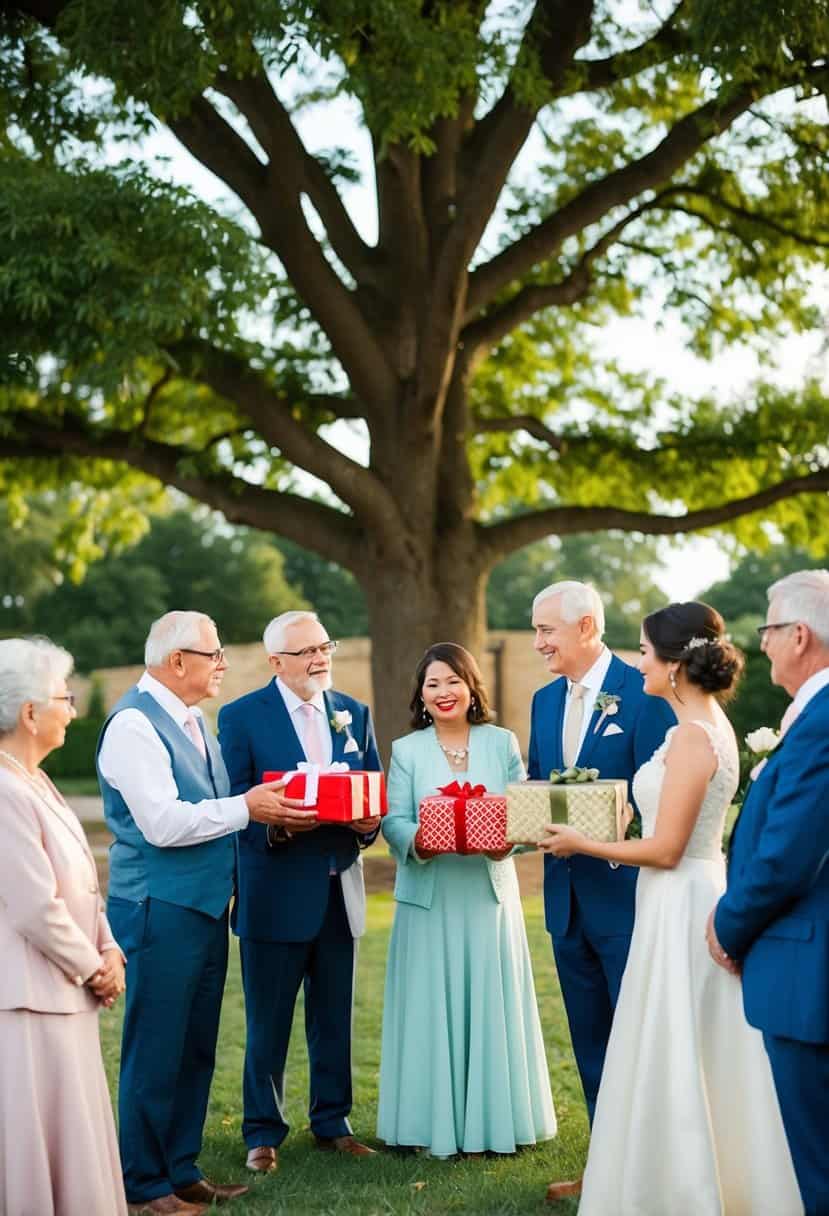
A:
[613,729]
[350,745]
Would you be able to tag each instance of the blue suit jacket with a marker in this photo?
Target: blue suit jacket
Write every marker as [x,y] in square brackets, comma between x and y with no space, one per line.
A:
[605,896]
[774,916]
[282,892]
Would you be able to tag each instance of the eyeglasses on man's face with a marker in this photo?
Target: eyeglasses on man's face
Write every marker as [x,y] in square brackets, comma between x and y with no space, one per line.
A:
[69,698]
[762,630]
[308,652]
[215,656]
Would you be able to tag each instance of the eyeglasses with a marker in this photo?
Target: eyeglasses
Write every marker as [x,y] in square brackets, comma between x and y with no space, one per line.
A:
[215,656]
[763,629]
[325,649]
[69,698]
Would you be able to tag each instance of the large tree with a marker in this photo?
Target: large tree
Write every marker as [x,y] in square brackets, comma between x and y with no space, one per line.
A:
[537,170]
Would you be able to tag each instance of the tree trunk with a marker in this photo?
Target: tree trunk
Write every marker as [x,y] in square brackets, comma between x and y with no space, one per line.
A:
[408,611]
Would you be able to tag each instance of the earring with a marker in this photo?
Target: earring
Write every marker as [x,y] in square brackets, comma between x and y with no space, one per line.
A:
[473,703]
[672,679]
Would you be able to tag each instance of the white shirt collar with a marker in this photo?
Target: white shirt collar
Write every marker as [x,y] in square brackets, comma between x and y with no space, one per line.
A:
[593,678]
[167,699]
[811,688]
[293,702]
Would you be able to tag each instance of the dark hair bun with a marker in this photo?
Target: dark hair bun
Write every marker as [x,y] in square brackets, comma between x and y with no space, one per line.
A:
[716,666]
[694,634]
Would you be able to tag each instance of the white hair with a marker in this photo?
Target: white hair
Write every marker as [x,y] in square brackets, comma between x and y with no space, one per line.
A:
[577,600]
[274,635]
[804,596]
[173,631]
[29,670]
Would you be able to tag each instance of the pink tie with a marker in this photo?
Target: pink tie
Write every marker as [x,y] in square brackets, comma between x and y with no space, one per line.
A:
[310,736]
[197,738]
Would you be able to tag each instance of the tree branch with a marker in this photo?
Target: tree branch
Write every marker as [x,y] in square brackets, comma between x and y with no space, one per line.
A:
[272,414]
[332,533]
[489,330]
[504,538]
[684,139]
[270,122]
[220,149]
[741,213]
[667,42]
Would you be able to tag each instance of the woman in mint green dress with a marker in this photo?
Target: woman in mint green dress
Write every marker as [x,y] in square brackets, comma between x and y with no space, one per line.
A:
[463,1067]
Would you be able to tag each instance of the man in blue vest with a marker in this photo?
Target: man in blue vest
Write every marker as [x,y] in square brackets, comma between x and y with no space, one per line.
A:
[772,923]
[301,900]
[598,716]
[166,801]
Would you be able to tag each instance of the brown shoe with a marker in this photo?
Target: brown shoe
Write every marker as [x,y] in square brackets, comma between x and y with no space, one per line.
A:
[563,1190]
[345,1144]
[205,1191]
[264,1159]
[167,1205]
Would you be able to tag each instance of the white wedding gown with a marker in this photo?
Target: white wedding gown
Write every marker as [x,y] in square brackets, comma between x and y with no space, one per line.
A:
[687,1121]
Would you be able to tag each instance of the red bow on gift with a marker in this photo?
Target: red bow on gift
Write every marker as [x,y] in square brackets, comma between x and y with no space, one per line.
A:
[461,793]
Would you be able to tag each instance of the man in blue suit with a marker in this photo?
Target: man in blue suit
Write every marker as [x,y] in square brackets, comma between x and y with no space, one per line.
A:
[301,900]
[772,924]
[598,716]
[166,801]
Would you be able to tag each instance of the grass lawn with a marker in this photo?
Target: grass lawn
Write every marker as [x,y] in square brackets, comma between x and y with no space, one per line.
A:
[312,1182]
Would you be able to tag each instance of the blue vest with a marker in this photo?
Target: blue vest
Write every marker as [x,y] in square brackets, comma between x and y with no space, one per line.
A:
[198,876]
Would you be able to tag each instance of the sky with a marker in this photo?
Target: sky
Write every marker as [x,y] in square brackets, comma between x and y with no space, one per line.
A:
[691,563]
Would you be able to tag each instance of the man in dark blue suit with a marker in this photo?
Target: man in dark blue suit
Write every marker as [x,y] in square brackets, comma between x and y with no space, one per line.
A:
[301,899]
[772,924]
[598,716]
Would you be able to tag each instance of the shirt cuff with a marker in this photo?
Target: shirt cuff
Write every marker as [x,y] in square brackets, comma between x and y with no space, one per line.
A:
[236,812]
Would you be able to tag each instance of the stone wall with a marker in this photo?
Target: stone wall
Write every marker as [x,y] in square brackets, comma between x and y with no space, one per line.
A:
[511,668]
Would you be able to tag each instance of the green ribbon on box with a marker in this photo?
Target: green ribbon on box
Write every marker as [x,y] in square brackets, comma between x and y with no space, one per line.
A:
[561,778]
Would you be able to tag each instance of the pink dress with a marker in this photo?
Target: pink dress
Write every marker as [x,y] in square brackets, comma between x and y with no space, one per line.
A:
[58,1149]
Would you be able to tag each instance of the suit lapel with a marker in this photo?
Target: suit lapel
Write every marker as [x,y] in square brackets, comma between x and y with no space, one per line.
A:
[613,681]
[338,737]
[556,757]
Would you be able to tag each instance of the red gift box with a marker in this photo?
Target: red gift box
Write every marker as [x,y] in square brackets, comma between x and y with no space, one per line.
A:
[341,797]
[463,819]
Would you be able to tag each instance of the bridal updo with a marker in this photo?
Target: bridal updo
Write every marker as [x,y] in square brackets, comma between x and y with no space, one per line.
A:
[693,634]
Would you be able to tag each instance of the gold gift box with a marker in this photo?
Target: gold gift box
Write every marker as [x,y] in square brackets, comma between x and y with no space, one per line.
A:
[599,809]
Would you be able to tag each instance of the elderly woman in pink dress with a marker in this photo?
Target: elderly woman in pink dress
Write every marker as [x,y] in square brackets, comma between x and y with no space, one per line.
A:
[58,1151]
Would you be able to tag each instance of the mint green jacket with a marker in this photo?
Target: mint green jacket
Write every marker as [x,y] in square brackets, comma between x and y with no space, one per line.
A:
[418,767]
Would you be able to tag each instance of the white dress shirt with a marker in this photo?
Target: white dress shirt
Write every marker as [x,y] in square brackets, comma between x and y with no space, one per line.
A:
[808,689]
[136,763]
[592,680]
[320,722]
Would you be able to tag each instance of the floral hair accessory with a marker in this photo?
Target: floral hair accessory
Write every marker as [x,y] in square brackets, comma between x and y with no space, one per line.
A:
[695,642]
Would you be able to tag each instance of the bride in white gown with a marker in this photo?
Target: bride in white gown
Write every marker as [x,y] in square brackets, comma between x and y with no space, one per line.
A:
[687,1121]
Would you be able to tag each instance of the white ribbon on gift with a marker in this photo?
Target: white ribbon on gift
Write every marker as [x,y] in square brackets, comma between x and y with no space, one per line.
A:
[311,773]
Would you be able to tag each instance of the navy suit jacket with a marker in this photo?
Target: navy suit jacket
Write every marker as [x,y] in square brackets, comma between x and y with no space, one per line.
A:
[282,892]
[774,916]
[605,895]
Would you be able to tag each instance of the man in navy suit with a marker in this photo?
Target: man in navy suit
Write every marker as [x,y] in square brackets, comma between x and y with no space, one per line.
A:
[772,923]
[598,716]
[301,900]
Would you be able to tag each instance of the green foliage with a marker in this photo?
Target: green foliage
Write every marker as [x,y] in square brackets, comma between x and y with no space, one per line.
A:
[331,592]
[77,756]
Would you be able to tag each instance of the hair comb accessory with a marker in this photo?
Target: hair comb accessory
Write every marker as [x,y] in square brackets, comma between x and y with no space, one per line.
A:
[695,642]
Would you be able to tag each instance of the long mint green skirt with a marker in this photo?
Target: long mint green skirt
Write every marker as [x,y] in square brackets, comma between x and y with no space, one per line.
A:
[463,1067]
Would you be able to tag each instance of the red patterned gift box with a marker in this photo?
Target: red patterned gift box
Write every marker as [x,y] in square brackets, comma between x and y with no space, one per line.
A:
[338,796]
[463,819]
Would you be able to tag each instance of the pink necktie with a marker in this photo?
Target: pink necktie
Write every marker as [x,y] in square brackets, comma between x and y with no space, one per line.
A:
[197,738]
[310,735]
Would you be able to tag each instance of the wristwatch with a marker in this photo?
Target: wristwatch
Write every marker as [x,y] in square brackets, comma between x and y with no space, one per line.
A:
[276,835]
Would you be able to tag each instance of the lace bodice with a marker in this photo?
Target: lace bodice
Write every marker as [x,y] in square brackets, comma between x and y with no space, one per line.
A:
[706,838]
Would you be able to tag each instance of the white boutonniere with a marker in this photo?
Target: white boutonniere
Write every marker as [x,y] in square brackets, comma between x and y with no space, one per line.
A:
[607,703]
[762,743]
[341,720]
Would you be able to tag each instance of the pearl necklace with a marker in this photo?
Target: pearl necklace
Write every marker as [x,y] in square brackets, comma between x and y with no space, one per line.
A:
[455,754]
[33,777]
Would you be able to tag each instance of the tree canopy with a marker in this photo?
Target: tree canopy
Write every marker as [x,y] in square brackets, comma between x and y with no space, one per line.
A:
[536,171]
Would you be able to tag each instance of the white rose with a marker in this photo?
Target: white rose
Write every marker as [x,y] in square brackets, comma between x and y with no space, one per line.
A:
[341,719]
[763,740]
[611,709]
